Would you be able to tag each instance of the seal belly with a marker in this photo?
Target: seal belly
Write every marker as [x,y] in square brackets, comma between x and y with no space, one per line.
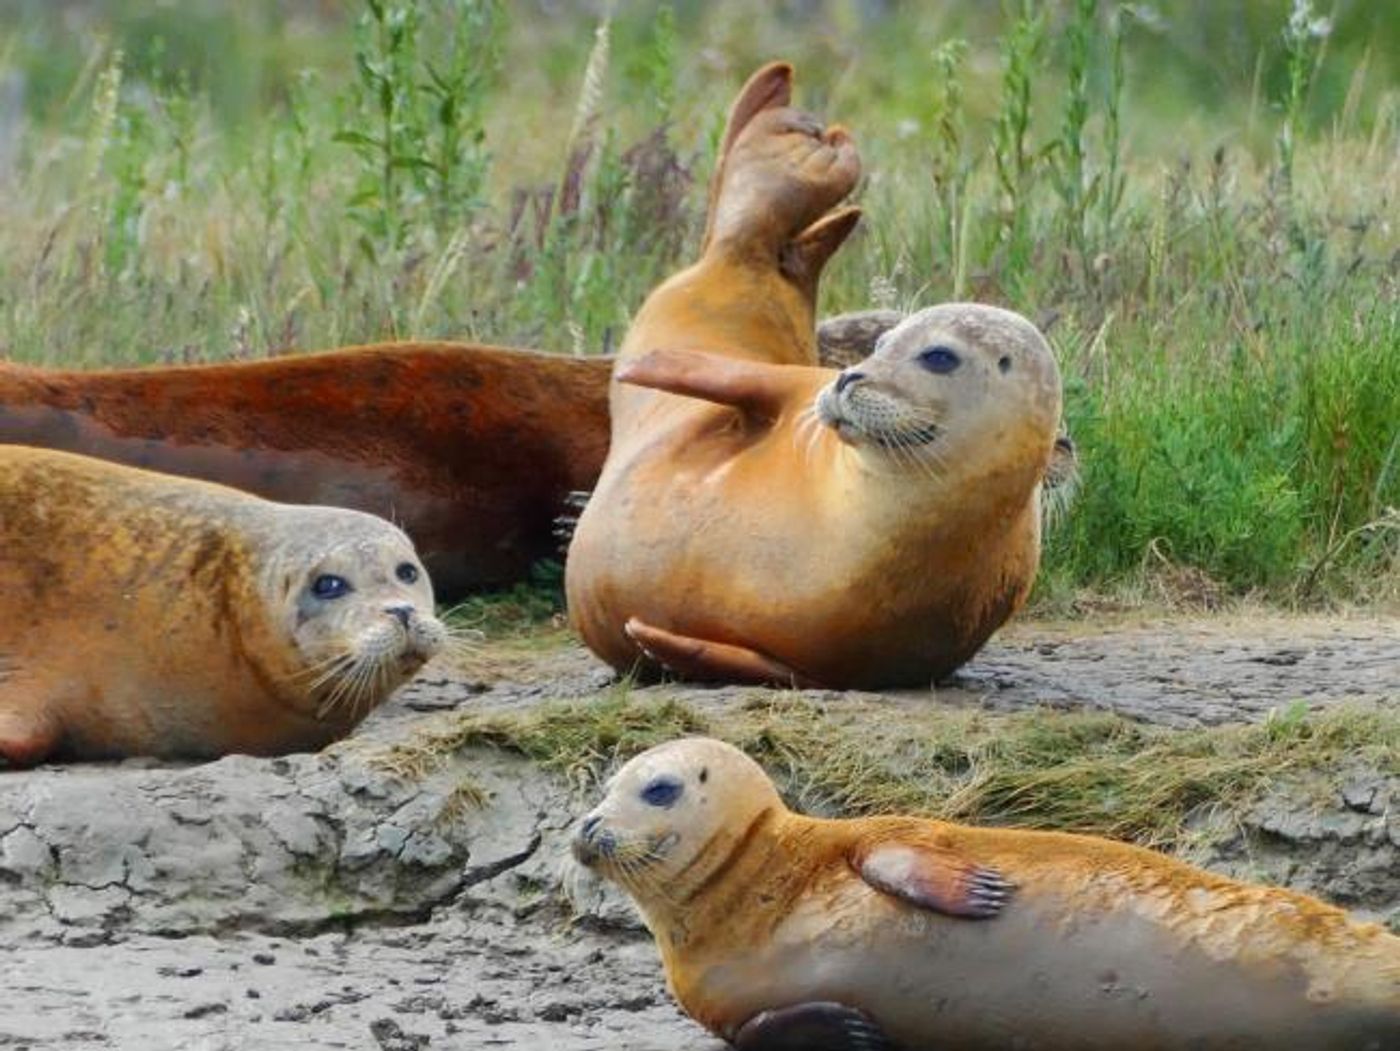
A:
[1040,976]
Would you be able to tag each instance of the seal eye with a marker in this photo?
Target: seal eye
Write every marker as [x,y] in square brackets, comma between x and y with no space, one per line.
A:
[329,586]
[941,360]
[407,572]
[662,792]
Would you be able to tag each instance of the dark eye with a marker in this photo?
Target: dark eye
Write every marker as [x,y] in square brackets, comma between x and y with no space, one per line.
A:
[328,586]
[407,572]
[664,791]
[939,359]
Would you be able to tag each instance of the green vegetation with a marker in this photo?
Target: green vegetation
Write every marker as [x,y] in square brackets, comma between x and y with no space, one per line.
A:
[1197,199]
[1082,772]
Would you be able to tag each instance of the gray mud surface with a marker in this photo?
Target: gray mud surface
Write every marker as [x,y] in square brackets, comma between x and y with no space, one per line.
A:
[317,902]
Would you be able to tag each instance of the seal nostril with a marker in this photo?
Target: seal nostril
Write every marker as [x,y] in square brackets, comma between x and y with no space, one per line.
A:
[847,378]
[402,613]
[589,828]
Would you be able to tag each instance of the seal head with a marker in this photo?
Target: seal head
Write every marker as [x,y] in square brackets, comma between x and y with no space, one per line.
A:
[957,387]
[358,607]
[679,808]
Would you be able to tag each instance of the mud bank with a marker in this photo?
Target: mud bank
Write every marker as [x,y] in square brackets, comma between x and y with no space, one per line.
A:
[318,901]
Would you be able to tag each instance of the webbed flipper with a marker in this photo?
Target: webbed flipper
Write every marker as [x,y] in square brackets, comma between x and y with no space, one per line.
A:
[802,258]
[818,1026]
[703,660]
[755,388]
[941,879]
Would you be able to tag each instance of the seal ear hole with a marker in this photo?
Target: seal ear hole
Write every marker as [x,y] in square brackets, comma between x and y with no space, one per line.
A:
[1004,363]
[704,774]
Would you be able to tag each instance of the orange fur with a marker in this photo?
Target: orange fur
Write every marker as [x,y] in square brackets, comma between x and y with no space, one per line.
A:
[142,614]
[1100,945]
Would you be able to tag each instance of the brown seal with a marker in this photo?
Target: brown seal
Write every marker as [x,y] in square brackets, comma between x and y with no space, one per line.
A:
[142,614]
[471,449]
[779,931]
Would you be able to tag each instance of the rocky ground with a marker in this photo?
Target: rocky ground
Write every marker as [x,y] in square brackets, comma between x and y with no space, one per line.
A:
[316,901]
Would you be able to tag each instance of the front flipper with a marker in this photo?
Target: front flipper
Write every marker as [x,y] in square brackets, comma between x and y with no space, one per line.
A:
[756,388]
[812,1027]
[706,661]
[938,878]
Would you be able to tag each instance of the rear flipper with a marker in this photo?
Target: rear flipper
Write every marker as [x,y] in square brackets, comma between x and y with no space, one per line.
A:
[706,661]
[812,1027]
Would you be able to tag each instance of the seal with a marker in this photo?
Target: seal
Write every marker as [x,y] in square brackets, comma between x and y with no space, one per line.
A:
[472,449]
[784,523]
[762,519]
[142,614]
[780,931]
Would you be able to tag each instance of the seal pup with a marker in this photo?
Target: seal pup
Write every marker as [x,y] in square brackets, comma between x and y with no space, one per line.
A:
[780,931]
[782,523]
[471,449]
[142,614]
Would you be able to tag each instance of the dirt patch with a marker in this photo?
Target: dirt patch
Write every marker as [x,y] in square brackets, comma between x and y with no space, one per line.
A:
[319,901]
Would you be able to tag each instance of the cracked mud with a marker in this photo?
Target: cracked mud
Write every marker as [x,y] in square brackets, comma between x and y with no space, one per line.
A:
[315,901]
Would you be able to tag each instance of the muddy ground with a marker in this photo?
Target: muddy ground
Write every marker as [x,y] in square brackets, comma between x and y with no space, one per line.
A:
[317,902]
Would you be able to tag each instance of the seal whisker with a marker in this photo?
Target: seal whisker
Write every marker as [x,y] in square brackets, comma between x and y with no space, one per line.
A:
[339,666]
[806,433]
[333,699]
[814,437]
[373,680]
[353,686]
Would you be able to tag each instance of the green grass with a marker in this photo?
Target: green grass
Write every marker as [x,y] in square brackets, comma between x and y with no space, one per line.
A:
[1082,772]
[1201,195]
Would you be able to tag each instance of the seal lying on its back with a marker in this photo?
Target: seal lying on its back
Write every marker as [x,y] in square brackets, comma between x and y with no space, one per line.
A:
[780,931]
[142,614]
[781,522]
[867,528]
[471,449]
